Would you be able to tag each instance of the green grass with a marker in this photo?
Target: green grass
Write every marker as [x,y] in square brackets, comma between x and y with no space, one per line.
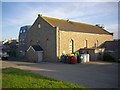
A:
[16,78]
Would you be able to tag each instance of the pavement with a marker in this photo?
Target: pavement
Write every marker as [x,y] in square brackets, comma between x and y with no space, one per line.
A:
[90,75]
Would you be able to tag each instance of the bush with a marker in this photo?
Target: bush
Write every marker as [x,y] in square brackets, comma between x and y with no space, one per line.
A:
[107,57]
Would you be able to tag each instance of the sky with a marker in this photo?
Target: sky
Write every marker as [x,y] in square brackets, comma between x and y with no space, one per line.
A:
[17,14]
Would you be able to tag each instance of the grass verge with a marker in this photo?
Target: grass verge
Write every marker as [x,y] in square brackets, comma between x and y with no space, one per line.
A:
[16,78]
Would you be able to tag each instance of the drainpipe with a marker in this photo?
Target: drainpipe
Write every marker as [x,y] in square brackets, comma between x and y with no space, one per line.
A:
[58,42]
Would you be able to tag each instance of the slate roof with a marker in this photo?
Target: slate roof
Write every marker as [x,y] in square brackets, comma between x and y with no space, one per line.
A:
[75,26]
[37,48]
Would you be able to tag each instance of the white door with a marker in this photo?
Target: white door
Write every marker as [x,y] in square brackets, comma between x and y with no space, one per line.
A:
[39,56]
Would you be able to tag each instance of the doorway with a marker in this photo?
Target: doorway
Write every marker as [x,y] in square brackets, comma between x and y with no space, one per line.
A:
[40,56]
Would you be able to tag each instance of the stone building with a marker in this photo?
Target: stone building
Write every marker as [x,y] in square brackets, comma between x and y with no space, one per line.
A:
[112,48]
[57,36]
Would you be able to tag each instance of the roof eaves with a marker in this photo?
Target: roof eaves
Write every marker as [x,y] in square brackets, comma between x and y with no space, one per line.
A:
[31,48]
[35,47]
[107,32]
[84,32]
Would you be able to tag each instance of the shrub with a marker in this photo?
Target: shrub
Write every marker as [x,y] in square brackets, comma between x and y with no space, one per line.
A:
[107,57]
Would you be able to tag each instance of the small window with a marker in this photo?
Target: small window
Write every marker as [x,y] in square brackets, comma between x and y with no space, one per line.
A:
[24,30]
[39,26]
[21,31]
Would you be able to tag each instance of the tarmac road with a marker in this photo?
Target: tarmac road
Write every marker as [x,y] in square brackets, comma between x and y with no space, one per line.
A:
[90,75]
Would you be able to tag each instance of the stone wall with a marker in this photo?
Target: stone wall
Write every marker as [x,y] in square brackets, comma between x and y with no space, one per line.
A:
[79,40]
[43,36]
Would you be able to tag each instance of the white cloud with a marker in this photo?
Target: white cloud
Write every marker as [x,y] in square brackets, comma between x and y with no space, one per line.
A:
[73,11]
[67,10]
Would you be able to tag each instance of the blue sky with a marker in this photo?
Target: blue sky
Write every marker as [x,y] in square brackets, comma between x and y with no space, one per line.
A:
[17,14]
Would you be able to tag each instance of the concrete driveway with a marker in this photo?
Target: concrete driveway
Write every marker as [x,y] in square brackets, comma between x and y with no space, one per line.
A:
[90,75]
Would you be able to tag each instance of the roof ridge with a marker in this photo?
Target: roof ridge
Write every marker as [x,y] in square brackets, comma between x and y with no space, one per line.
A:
[66,20]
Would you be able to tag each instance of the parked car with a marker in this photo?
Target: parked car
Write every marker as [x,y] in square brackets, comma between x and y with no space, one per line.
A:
[3,55]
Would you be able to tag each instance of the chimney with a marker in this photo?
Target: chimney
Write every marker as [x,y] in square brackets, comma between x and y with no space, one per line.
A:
[112,34]
[39,15]
[100,25]
[57,28]
[68,20]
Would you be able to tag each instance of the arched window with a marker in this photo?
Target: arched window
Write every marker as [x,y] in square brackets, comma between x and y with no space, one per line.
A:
[47,42]
[97,43]
[39,26]
[86,43]
[71,46]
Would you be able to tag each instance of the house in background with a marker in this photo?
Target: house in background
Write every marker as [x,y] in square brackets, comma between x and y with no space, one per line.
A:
[112,48]
[57,36]
[11,47]
[22,40]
